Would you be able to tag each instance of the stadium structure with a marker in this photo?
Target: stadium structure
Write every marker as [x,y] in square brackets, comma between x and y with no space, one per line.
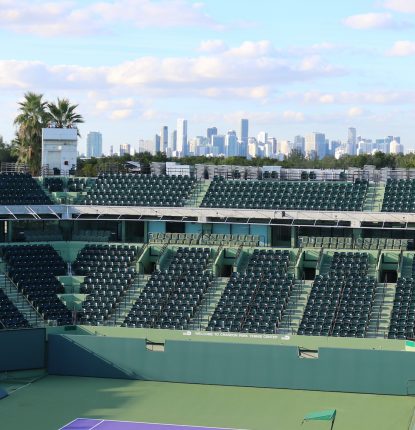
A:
[208,296]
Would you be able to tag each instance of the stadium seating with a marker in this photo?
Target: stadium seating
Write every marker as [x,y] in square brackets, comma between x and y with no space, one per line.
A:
[399,196]
[10,316]
[304,195]
[351,243]
[33,268]
[340,301]
[79,184]
[172,296]
[254,301]
[205,239]
[109,271]
[53,184]
[139,190]
[21,189]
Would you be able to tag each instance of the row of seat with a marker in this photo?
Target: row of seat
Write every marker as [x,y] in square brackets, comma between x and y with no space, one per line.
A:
[340,301]
[345,196]
[10,316]
[34,270]
[172,297]
[212,239]
[399,196]
[351,243]
[255,299]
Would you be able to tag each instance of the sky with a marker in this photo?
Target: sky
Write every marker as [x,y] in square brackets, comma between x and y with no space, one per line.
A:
[290,67]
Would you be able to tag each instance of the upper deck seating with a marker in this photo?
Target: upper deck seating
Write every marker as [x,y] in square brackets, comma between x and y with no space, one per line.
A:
[21,189]
[399,196]
[257,194]
[139,190]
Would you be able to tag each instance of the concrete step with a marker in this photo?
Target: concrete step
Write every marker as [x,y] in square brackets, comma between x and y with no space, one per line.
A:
[202,317]
[294,313]
[199,192]
[381,311]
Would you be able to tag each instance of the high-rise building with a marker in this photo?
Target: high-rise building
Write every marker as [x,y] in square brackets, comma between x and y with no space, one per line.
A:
[172,143]
[157,143]
[315,145]
[299,144]
[231,144]
[218,144]
[94,144]
[262,137]
[351,147]
[125,149]
[211,131]
[164,138]
[111,150]
[244,136]
[181,144]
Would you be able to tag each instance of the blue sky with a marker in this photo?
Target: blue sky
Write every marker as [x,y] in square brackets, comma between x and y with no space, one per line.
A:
[290,67]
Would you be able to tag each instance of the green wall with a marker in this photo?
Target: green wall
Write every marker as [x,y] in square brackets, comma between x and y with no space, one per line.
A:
[272,366]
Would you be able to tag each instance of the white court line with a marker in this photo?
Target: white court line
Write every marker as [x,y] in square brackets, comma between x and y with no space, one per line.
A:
[66,425]
[96,425]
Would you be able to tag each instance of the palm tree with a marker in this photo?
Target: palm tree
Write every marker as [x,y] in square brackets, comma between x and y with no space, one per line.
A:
[32,117]
[63,115]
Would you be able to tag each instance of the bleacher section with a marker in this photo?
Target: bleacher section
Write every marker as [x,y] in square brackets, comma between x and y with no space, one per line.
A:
[53,184]
[79,184]
[340,301]
[33,269]
[21,189]
[10,316]
[109,271]
[402,324]
[352,243]
[139,190]
[254,301]
[309,195]
[399,196]
[172,296]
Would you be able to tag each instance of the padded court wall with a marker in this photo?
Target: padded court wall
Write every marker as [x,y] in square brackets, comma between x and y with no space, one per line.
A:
[241,364]
[22,349]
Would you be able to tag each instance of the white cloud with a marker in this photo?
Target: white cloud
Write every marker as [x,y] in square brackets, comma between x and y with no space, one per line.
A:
[121,114]
[402,48]
[212,46]
[252,70]
[71,18]
[293,116]
[355,111]
[404,6]
[368,21]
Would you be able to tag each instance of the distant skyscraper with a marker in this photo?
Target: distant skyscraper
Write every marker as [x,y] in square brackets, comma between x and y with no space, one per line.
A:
[244,136]
[164,138]
[231,144]
[315,145]
[299,144]
[157,143]
[262,137]
[94,144]
[125,149]
[111,150]
[351,147]
[181,144]
[211,131]
[218,144]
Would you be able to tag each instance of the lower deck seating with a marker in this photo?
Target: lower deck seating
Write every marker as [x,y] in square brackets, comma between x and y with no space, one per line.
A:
[33,268]
[109,272]
[340,301]
[172,296]
[255,300]
[10,316]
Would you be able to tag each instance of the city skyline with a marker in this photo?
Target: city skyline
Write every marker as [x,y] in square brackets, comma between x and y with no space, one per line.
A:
[292,68]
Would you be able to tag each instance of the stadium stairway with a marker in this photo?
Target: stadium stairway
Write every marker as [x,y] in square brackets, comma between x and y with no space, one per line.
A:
[295,309]
[21,302]
[198,193]
[374,198]
[201,319]
[128,301]
[381,310]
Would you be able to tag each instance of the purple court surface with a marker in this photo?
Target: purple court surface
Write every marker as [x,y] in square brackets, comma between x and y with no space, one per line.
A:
[94,424]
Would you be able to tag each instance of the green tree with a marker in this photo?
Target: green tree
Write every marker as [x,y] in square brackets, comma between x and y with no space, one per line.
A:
[63,114]
[32,117]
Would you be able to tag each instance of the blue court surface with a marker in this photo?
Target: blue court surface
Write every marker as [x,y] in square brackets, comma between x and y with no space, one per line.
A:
[95,424]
